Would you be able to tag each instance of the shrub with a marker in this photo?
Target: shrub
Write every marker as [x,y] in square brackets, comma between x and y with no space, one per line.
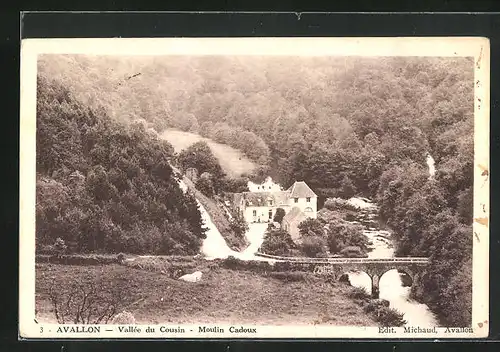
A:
[59,246]
[290,276]
[345,279]
[338,204]
[290,266]
[258,266]
[250,265]
[277,242]
[238,224]
[311,227]
[283,266]
[88,300]
[358,293]
[231,262]
[352,252]
[341,235]
[330,279]
[375,305]
[213,266]
[389,317]
[205,185]
[235,185]
[313,246]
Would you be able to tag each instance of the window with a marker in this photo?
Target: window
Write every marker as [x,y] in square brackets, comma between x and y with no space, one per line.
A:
[255,213]
[296,200]
[270,202]
[308,199]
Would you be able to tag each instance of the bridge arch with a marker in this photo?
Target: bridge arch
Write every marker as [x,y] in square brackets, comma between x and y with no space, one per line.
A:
[357,278]
[413,273]
[405,271]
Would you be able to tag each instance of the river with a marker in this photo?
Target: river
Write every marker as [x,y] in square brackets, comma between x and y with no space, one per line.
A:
[391,285]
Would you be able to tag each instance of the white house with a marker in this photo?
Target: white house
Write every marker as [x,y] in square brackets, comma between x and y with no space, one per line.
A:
[262,206]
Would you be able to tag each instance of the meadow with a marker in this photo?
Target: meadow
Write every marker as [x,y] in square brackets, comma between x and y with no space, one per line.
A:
[222,296]
[233,162]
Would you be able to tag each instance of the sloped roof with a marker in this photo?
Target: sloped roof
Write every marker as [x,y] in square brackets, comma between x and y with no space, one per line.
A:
[258,199]
[293,215]
[300,189]
[281,198]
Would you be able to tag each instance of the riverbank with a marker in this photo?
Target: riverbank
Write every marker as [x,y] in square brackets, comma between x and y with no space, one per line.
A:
[222,296]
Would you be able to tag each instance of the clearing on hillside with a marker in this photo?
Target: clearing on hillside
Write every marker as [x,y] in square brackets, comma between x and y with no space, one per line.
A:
[233,162]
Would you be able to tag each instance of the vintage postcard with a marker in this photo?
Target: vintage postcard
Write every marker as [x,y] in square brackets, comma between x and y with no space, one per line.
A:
[254,188]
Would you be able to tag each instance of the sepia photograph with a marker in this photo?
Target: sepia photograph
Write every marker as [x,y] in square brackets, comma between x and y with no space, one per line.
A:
[254,188]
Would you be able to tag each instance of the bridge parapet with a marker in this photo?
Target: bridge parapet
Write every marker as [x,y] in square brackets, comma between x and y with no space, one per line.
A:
[416,260]
[374,267]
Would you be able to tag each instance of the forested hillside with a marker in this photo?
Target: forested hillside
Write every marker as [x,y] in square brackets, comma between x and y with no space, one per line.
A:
[310,117]
[106,187]
[344,125]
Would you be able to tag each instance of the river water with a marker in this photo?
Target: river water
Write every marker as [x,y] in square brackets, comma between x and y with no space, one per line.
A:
[391,285]
[431,165]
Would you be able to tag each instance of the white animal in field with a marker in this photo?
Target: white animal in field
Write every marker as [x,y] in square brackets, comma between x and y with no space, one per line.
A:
[194,277]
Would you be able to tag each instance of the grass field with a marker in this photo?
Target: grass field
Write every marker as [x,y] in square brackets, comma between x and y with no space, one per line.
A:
[222,296]
[232,161]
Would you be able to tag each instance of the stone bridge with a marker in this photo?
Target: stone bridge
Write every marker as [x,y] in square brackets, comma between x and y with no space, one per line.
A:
[375,268]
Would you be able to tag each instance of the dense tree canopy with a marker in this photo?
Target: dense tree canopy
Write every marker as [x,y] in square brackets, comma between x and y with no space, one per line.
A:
[200,157]
[102,186]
